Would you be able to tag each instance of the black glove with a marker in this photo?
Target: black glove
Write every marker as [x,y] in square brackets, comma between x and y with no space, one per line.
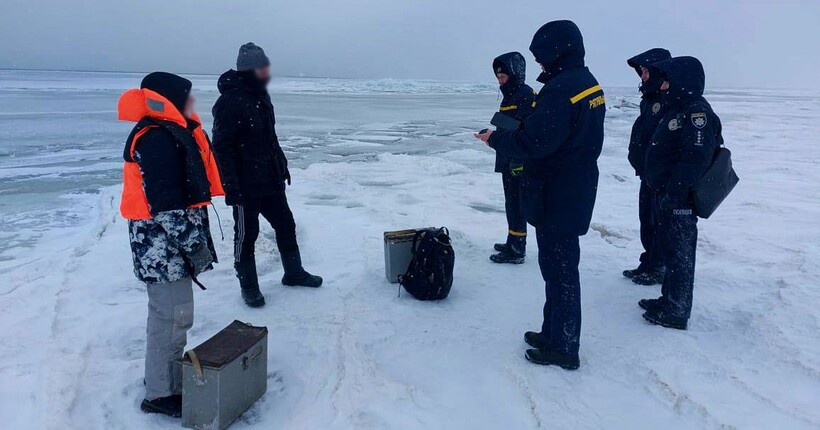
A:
[199,258]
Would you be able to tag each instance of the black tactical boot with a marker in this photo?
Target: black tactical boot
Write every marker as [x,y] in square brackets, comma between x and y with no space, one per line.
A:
[246,272]
[535,340]
[513,253]
[549,358]
[659,316]
[500,247]
[631,274]
[650,277]
[295,274]
[171,406]
[649,304]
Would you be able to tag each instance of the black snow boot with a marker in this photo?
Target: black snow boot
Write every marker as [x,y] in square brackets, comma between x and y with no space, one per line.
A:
[249,281]
[549,358]
[631,274]
[514,252]
[171,406]
[500,247]
[295,274]
[649,304]
[535,340]
[650,277]
[659,316]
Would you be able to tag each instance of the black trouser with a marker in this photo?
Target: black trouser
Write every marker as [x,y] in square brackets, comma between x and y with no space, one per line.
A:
[514,207]
[678,236]
[558,257]
[276,211]
[647,208]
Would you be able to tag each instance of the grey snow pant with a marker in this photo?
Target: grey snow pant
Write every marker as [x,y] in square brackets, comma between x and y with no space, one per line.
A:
[170,316]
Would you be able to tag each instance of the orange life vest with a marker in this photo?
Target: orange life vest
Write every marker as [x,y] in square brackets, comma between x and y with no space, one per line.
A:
[134,105]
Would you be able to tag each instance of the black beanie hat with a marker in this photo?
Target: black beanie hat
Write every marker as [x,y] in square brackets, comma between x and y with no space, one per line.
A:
[173,87]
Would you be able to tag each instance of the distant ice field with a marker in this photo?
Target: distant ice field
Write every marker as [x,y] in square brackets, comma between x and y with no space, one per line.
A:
[374,155]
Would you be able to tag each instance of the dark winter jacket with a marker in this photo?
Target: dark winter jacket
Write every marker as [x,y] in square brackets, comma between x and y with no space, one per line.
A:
[562,139]
[252,163]
[689,134]
[652,108]
[519,98]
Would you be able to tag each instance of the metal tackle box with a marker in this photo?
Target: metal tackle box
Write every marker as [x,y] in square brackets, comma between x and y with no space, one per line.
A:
[398,251]
[224,376]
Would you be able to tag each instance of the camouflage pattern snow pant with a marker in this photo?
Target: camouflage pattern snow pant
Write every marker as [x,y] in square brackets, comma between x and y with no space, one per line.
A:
[170,316]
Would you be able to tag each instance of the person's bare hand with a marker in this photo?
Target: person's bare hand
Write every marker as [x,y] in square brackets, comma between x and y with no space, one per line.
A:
[484,137]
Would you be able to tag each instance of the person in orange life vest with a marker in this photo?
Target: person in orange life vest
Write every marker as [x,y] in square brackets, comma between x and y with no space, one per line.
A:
[169,178]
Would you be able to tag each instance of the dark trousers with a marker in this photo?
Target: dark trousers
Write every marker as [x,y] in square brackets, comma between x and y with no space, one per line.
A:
[276,211]
[678,236]
[558,257]
[514,207]
[647,208]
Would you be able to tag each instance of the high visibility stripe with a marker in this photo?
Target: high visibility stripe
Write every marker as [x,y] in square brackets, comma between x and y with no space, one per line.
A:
[506,108]
[517,233]
[585,94]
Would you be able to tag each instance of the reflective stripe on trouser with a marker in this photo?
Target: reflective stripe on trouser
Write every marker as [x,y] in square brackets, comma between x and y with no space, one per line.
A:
[514,209]
[275,210]
[170,316]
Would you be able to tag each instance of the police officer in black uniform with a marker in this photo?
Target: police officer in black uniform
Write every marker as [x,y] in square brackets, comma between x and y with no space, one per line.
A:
[560,143]
[651,268]
[682,149]
[517,104]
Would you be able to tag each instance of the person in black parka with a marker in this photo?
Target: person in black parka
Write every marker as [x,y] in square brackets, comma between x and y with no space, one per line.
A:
[682,149]
[560,143]
[652,109]
[254,170]
[518,103]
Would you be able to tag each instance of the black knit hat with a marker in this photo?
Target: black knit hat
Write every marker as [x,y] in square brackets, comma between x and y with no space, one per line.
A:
[173,87]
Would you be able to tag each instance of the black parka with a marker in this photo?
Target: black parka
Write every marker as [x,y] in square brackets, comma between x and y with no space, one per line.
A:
[519,98]
[652,107]
[251,161]
[562,139]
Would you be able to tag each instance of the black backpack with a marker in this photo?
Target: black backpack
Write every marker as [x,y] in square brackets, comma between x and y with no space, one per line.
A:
[716,184]
[430,273]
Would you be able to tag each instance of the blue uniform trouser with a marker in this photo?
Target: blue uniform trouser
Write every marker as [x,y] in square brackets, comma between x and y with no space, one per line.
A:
[678,234]
[647,208]
[514,207]
[558,256]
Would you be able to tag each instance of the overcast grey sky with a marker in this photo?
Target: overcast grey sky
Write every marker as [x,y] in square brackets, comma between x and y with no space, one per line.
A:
[741,42]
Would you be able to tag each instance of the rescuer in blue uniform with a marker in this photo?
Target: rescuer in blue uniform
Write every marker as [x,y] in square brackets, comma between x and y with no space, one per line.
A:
[560,143]
[518,103]
[651,269]
[682,149]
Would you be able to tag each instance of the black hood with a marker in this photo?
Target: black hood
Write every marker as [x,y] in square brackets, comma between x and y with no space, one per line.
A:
[233,80]
[173,87]
[558,46]
[686,77]
[647,59]
[513,65]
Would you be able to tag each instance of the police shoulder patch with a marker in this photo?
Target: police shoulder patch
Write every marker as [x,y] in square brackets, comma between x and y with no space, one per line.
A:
[656,108]
[699,120]
[674,124]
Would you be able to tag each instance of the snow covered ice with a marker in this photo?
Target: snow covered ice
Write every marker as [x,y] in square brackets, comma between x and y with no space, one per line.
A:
[371,156]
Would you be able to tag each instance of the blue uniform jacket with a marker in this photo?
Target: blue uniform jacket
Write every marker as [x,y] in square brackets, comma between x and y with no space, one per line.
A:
[562,139]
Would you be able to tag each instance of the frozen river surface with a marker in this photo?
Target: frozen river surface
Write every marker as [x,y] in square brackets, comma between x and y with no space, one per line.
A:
[371,156]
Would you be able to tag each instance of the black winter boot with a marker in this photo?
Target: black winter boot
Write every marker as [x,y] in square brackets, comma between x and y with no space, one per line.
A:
[171,406]
[500,247]
[659,316]
[535,340]
[295,274]
[249,281]
[651,277]
[549,358]
[649,304]
[632,273]
[514,252]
